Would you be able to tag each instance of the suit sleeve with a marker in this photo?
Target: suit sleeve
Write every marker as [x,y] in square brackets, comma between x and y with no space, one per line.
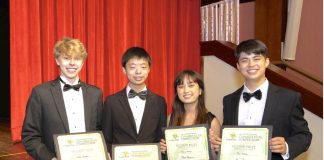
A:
[225,106]
[99,111]
[107,124]
[163,119]
[301,137]
[32,131]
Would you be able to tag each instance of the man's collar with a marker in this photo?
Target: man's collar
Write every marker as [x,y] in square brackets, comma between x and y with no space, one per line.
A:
[263,87]
[128,88]
[68,82]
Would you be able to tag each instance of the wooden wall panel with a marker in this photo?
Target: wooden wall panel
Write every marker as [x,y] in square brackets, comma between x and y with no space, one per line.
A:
[270,22]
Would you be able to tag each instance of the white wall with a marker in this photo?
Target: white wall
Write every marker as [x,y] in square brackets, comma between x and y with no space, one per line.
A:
[315,124]
[222,79]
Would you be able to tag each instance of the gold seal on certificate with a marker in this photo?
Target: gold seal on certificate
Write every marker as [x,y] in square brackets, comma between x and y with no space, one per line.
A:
[81,146]
[144,151]
[187,142]
[245,143]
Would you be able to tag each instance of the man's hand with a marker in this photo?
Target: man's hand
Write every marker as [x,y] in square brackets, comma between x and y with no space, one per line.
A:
[278,145]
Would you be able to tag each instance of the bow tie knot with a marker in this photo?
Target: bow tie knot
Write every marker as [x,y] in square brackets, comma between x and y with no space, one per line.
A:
[141,95]
[247,96]
[67,87]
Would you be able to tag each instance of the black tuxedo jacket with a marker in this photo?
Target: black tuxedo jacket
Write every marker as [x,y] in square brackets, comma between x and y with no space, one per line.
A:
[283,110]
[46,115]
[118,124]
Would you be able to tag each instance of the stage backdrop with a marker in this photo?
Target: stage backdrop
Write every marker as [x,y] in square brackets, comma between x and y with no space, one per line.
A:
[168,29]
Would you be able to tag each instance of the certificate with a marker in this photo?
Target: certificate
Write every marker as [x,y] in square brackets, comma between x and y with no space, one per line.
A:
[144,151]
[245,143]
[80,146]
[187,142]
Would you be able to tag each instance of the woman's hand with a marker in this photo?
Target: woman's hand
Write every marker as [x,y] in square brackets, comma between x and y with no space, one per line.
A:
[163,146]
[215,141]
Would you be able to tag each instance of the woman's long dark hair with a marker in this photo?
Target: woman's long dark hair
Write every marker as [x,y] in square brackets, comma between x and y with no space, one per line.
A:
[178,111]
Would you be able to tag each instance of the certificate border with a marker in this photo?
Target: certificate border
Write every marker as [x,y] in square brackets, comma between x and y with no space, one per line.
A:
[137,144]
[57,147]
[269,127]
[192,126]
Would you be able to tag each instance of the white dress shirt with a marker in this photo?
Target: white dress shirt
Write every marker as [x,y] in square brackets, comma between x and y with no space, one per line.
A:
[137,106]
[251,112]
[74,107]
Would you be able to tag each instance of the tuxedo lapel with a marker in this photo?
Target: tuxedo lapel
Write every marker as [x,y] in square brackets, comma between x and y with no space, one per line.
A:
[235,105]
[270,103]
[126,107]
[87,108]
[59,101]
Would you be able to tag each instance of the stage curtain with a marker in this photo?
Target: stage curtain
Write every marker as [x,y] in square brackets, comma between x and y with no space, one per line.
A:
[168,29]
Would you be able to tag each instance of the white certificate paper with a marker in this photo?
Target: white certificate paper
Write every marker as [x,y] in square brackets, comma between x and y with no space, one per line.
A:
[81,146]
[245,143]
[145,151]
[187,143]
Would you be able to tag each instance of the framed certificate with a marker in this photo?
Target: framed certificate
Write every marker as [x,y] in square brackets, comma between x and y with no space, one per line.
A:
[143,151]
[81,146]
[245,143]
[188,142]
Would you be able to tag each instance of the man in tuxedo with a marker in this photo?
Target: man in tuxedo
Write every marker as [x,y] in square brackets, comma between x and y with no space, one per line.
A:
[259,102]
[63,105]
[134,114]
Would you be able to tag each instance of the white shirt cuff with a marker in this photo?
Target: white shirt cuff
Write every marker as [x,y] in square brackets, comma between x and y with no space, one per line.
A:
[286,156]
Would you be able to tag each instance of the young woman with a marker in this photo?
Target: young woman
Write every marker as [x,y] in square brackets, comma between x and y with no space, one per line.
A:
[189,105]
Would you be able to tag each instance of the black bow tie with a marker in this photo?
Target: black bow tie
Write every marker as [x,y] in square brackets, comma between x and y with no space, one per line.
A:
[67,87]
[141,95]
[247,96]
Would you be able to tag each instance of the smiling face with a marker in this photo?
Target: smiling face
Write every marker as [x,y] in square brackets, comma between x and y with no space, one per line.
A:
[70,55]
[137,70]
[189,91]
[70,66]
[252,67]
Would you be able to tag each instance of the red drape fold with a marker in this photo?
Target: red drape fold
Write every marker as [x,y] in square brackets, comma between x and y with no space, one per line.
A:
[167,29]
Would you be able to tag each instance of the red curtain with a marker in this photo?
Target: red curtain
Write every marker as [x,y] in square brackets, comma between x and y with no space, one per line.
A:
[168,29]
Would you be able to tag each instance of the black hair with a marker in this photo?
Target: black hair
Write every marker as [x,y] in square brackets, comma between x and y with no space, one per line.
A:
[178,110]
[137,52]
[251,46]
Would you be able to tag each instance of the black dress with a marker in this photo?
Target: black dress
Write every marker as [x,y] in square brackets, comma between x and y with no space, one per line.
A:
[210,117]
